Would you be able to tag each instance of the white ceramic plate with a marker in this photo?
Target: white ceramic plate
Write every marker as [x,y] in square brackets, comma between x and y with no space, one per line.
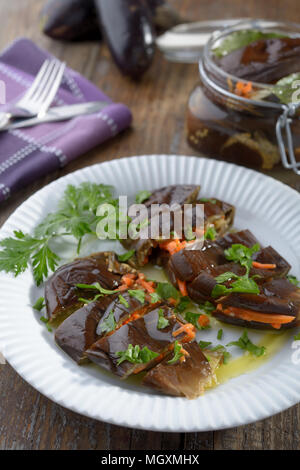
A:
[268,208]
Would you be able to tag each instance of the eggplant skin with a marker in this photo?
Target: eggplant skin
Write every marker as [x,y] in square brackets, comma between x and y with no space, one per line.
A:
[128,29]
[70,20]
[251,324]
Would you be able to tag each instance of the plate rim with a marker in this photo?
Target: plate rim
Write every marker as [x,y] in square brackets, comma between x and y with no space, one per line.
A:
[114,420]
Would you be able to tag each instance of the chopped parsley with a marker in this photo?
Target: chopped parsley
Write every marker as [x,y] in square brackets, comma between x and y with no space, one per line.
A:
[166,291]
[210,234]
[137,294]
[177,351]
[297,337]
[136,355]
[142,196]
[107,325]
[46,321]
[39,304]
[96,286]
[204,344]
[246,344]
[220,334]
[123,301]
[193,318]
[126,256]
[162,321]
[183,304]
[293,280]
[155,297]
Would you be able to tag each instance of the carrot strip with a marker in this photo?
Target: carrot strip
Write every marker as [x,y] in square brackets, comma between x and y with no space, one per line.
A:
[250,315]
[203,320]
[257,265]
[189,329]
[172,246]
[182,287]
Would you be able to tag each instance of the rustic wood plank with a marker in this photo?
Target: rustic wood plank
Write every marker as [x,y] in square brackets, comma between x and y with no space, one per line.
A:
[31,421]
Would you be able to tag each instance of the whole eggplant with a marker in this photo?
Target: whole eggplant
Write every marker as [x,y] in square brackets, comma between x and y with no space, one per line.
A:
[128,29]
[70,20]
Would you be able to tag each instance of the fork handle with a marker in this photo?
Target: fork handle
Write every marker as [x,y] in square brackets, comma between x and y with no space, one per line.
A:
[5,119]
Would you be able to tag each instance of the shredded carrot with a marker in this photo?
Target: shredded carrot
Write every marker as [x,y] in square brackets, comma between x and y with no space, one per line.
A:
[189,329]
[276,320]
[257,265]
[242,89]
[172,246]
[172,301]
[203,320]
[147,285]
[182,287]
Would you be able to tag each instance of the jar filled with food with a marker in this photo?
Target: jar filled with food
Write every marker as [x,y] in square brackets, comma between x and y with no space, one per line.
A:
[246,107]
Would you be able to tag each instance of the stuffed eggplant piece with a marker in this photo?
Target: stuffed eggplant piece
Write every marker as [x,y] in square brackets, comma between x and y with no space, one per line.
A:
[189,378]
[171,195]
[94,320]
[139,344]
[128,29]
[277,306]
[61,294]
[70,20]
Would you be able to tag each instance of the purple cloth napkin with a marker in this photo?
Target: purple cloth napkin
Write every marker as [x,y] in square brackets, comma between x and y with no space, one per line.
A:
[28,154]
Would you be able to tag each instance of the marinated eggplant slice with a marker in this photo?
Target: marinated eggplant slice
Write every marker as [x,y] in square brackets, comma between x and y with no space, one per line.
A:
[189,378]
[141,333]
[276,307]
[218,214]
[78,332]
[170,195]
[62,295]
[88,324]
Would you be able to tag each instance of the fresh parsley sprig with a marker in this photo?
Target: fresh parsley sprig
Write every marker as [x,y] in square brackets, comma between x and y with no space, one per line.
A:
[246,344]
[136,355]
[76,216]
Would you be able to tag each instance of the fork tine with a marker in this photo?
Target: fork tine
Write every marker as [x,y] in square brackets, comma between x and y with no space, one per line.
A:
[37,80]
[52,87]
[43,82]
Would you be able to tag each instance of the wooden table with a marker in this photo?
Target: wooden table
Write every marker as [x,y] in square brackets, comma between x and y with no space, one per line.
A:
[28,420]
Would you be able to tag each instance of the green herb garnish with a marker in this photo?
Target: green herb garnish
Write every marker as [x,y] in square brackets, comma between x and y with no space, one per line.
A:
[242,284]
[183,304]
[177,353]
[39,304]
[204,344]
[137,294]
[46,321]
[136,355]
[142,196]
[192,317]
[126,256]
[155,298]
[241,254]
[246,344]
[109,324]
[123,301]
[297,337]
[166,291]
[205,199]
[220,334]
[239,39]
[96,286]
[75,216]
[162,321]
[210,233]
[293,280]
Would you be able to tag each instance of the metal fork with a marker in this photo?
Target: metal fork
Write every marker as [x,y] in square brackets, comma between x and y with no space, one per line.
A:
[38,98]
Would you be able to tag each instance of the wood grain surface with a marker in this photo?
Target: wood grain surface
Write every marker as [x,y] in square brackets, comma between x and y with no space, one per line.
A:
[28,420]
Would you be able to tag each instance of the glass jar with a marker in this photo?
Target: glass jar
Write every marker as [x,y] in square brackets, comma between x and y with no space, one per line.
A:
[226,124]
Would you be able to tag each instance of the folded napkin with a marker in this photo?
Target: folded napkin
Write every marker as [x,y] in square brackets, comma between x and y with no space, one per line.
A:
[28,154]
